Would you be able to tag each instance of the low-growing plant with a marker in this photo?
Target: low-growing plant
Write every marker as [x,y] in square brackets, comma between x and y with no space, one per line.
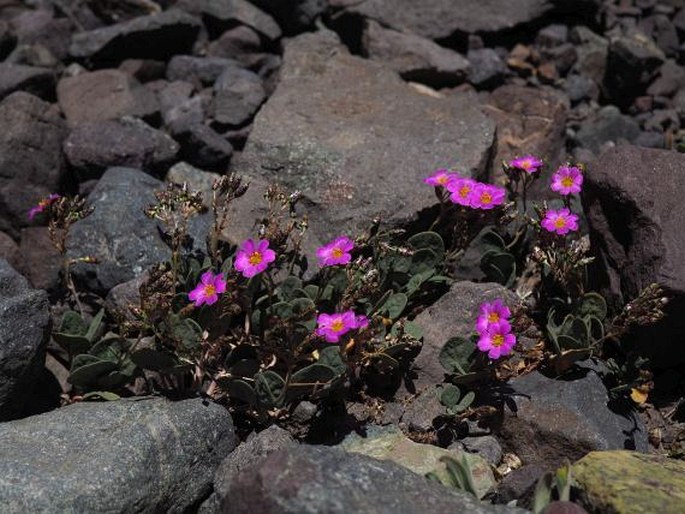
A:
[458,475]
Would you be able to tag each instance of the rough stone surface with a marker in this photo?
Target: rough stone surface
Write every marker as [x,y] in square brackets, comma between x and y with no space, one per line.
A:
[9,250]
[390,444]
[24,333]
[158,36]
[452,315]
[555,420]
[30,79]
[41,260]
[118,233]
[356,139]
[320,479]
[31,164]
[607,126]
[630,483]
[204,147]
[91,148]
[529,121]
[204,70]
[220,15]
[438,19]
[487,68]
[415,58]
[238,93]
[103,95]
[123,296]
[143,455]
[486,446]
[420,412]
[592,50]
[196,179]
[632,200]
[240,43]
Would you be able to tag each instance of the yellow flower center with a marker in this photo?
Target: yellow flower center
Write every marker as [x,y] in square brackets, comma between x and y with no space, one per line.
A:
[559,222]
[210,290]
[337,325]
[526,164]
[464,191]
[337,253]
[567,181]
[486,198]
[442,180]
[493,317]
[498,340]
[255,258]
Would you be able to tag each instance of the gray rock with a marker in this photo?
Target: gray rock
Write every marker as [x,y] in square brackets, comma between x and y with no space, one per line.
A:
[415,58]
[30,79]
[453,315]
[204,70]
[240,43]
[420,413]
[205,148]
[334,129]
[320,479]
[220,15]
[520,484]
[487,68]
[143,455]
[158,36]
[40,27]
[438,19]
[24,333]
[238,93]
[486,446]
[118,233]
[592,50]
[121,297]
[31,164]
[579,88]
[632,62]
[632,200]
[41,261]
[104,95]
[7,39]
[608,125]
[552,35]
[556,420]
[295,16]
[9,250]
[197,179]
[650,140]
[662,31]
[91,148]
[670,80]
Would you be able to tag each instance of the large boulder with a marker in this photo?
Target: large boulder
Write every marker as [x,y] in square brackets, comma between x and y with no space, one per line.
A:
[632,198]
[24,333]
[624,482]
[321,479]
[554,420]
[31,79]
[142,455]
[439,19]
[31,164]
[118,233]
[357,140]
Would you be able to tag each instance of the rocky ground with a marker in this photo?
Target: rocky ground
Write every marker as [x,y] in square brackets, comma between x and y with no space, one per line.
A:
[353,103]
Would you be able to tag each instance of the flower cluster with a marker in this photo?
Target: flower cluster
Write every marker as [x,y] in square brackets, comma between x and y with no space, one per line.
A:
[566,180]
[333,326]
[468,192]
[42,205]
[494,329]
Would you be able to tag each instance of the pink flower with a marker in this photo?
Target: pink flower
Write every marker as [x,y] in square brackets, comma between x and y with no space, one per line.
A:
[461,190]
[440,177]
[209,289]
[254,257]
[497,340]
[567,180]
[491,313]
[333,326]
[42,205]
[486,196]
[560,221]
[336,252]
[527,163]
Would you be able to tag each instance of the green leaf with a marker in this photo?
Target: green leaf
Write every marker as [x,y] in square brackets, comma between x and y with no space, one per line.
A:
[312,291]
[429,240]
[466,401]
[449,396]
[87,369]
[456,355]
[241,390]
[154,360]
[395,304]
[95,325]
[282,310]
[73,344]
[101,395]
[570,343]
[287,288]
[331,357]
[461,469]
[312,374]
[422,261]
[595,326]
[499,267]
[73,324]
[592,304]
[111,347]
[543,493]
[270,388]
[188,332]
[302,306]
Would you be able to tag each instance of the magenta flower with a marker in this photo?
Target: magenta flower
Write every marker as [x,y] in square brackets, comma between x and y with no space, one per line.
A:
[560,221]
[254,257]
[486,196]
[497,340]
[209,289]
[336,252]
[528,163]
[567,180]
[440,177]
[461,190]
[491,313]
[42,205]
[333,326]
